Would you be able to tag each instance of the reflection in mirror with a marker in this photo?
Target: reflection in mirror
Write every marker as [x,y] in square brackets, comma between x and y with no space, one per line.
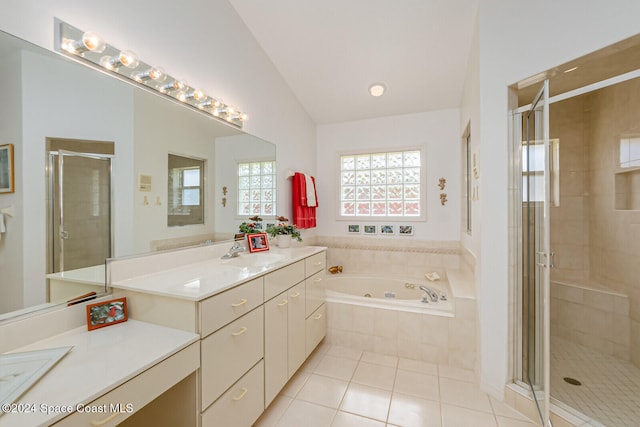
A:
[46,97]
[186,191]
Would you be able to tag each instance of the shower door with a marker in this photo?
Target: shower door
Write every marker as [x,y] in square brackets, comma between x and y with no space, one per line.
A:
[536,256]
[81,185]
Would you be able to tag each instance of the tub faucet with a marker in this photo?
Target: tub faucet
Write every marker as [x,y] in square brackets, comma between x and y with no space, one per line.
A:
[234,251]
[432,294]
[335,269]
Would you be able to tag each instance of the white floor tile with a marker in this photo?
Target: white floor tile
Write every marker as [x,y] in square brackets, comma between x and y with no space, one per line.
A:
[366,401]
[453,416]
[510,422]
[456,373]
[306,414]
[464,394]
[417,384]
[344,419]
[418,366]
[411,411]
[374,375]
[347,353]
[294,385]
[504,410]
[336,367]
[379,359]
[323,391]
[272,414]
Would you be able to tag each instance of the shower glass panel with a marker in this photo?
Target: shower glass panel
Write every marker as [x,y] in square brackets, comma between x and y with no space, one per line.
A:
[535,252]
[82,210]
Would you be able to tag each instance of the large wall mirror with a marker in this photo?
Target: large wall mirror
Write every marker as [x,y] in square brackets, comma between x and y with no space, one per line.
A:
[91,164]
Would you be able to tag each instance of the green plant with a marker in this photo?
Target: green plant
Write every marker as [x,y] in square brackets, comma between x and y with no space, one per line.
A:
[249,228]
[284,229]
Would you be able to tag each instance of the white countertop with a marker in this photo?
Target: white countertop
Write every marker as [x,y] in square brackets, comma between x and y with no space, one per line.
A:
[94,275]
[100,361]
[199,280]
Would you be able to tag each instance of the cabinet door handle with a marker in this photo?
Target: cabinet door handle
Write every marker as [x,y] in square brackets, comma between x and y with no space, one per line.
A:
[238,304]
[283,303]
[106,420]
[296,295]
[317,279]
[317,264]
[240,331]
[243,391]
[318,316]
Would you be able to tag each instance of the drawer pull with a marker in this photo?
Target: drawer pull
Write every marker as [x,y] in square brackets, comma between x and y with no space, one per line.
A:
[317,279]
[238,304]
[106,420]
[296,295]
[283,303]
[241,395]
[317,264]
[240,332]
[318,316]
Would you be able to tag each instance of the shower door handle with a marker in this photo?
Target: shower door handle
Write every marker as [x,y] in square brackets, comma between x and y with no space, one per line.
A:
[64,234]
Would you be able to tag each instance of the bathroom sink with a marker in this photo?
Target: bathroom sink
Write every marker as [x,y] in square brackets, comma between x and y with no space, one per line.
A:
[255,260]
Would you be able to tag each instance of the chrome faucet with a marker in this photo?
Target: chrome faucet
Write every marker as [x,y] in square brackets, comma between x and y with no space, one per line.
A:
[432,294]
[234,251]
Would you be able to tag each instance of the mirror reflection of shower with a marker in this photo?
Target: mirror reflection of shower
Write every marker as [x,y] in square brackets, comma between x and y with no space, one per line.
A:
[79,176]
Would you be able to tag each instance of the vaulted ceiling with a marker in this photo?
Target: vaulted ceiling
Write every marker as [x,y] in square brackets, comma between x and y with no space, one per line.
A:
[329,52]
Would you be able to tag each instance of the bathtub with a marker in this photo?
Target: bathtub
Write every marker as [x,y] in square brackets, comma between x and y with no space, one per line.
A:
[389,293]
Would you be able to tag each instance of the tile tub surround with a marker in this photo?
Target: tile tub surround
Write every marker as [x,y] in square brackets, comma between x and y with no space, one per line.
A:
[430,338]
[592,316]
[343,387]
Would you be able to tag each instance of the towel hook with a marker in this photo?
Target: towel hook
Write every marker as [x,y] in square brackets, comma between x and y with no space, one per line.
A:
[10,211]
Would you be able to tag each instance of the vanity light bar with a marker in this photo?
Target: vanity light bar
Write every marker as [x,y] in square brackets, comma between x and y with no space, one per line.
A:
[92,48]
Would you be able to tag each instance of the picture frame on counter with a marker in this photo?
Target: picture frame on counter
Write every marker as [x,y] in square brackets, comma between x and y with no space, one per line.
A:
[107,313]
[387,230]
[405,230]
[353,228]
[258,242]
[370,229]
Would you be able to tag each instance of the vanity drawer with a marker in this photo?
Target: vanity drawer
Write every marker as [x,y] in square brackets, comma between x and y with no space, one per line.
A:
[217,311]
[315,263]
[138,391]
[316,328]
[315,295]
[281,280]
[242,404]
[229,353]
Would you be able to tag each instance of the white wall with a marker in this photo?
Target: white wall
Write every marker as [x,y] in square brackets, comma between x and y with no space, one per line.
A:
[518,39]
[205,43]
[438,135]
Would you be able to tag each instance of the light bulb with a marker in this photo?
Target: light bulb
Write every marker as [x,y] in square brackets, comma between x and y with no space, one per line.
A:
[125,58]
[209,103]
[174,85]
[90,41]
[244,117]
[377,89]
[195,95]
[153,73]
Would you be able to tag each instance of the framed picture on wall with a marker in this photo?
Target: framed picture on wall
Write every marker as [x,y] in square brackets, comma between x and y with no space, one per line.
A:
[6,169]
[405,230]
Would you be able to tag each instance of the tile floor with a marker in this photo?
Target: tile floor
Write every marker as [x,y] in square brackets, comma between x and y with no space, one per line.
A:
[341,387]
[610,390]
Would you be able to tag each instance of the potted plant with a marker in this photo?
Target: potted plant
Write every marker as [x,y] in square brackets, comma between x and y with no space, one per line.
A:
[254,226]
[284,232]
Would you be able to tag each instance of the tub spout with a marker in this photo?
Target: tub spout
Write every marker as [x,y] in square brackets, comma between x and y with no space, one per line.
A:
[432,294]
[335,269]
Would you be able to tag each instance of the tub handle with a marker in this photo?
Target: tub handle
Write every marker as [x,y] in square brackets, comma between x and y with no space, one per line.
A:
[296,295]
[318,316]
[238,304]
[283,303]
[243,391]
[240,331]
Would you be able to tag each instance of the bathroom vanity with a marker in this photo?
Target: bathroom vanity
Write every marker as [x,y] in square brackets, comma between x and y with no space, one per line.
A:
[111,375]
[259,316]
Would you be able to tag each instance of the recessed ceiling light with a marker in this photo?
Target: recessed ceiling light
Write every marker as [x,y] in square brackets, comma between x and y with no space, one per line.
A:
[377,89]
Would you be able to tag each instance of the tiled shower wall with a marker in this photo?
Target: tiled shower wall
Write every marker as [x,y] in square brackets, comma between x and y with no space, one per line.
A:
[593,241]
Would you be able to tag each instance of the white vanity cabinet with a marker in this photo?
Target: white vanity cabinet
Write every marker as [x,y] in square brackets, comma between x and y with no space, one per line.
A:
[254,335]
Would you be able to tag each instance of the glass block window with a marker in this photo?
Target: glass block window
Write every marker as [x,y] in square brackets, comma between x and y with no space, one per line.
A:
[381,184]
[257,188]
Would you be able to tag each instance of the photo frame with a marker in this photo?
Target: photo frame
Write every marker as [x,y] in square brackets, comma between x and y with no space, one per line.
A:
[107,313]
[353,228]
[7,179]
[258,242]
[405,230]
[388,230]
[370,229]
